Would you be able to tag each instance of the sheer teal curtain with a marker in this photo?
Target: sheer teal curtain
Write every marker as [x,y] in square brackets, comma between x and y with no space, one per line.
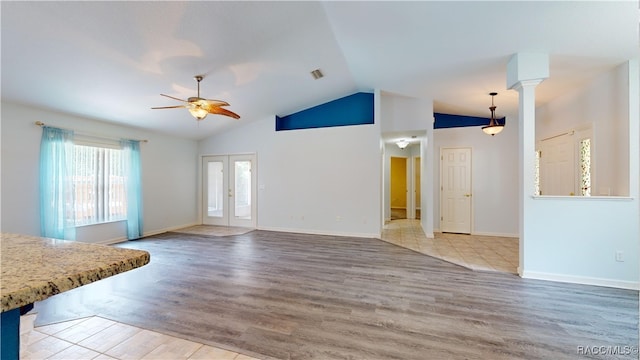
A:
[56,184]
[133,187]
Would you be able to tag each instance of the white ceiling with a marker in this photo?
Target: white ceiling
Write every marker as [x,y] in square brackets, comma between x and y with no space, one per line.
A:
[111,60]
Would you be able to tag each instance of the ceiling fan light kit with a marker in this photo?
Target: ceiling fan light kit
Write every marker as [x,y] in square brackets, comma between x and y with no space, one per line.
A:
[198,107]
[198,112]
[494,126]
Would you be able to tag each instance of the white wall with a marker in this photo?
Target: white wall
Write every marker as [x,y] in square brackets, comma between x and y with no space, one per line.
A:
[575,239]
[168,174]
[323,181]
[603,104]
[494,176]
[401,114]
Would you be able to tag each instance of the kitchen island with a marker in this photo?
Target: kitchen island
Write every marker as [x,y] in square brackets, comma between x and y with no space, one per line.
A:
[35,268]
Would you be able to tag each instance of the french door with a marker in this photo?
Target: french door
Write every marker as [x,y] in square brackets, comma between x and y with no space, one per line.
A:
[455,186]
[228,190]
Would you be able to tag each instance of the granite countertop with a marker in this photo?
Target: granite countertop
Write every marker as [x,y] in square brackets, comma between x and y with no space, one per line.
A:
[35,268]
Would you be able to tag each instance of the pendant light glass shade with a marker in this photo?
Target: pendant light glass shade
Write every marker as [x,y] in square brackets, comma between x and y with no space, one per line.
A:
[494,127]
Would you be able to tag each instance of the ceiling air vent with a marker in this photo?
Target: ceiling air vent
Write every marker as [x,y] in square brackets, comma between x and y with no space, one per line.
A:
[317,74]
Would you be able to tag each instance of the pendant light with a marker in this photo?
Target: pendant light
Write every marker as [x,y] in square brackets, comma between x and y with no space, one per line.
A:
[494,127]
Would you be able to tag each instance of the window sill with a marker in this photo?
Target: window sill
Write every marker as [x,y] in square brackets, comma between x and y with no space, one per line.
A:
[100,223]
[582,198]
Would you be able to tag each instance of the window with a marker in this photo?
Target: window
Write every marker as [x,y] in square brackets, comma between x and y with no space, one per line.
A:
[99,185]
[585,167]
[86,182]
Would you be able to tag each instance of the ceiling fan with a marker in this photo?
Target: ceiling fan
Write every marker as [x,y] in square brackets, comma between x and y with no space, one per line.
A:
[199,107]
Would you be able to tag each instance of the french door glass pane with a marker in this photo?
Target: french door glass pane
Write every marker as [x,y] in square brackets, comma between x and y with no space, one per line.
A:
[242,187]
[215,201]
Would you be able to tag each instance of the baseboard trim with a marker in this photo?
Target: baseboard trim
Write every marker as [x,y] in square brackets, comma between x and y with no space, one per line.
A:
[171,228]
[111,241]
[620,284]
[121,239]
[481,233]
[320,232]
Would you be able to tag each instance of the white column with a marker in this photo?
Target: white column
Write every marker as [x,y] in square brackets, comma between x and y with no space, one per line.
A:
[527,148]
[427,193]
[524,72]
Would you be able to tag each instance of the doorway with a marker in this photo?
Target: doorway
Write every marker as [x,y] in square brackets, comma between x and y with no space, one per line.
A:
[416,186]
[455,190]
[229,190]
[398,189]
[404,187]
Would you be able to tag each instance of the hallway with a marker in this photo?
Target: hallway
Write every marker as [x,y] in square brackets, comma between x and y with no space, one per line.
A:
[476,252]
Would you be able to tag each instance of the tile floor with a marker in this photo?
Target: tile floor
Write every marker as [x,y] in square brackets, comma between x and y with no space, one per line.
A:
[488,253]
[102,339]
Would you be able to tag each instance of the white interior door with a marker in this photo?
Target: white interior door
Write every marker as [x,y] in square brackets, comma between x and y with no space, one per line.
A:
[557,166]
[455,199]
[229,190]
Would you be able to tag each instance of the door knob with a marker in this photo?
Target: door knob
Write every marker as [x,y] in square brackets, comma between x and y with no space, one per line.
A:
[467,195]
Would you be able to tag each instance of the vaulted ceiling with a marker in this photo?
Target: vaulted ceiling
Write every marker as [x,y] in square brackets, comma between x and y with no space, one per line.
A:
[111,60]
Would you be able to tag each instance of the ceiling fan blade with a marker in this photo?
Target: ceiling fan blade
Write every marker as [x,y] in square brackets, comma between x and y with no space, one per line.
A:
[174,98]
[213,102]
[220,111]
[197,104]
[171,107]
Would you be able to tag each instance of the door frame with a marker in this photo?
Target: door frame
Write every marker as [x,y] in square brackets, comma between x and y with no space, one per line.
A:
[416,176]
[471,210]
[254,186]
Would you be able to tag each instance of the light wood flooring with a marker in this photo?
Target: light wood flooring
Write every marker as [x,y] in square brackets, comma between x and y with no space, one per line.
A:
[299,296]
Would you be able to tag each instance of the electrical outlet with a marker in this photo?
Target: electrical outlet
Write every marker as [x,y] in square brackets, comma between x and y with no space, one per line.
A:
[619,256]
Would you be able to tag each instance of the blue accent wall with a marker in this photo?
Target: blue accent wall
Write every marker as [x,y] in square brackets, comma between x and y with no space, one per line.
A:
[356,109]
[444,121]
